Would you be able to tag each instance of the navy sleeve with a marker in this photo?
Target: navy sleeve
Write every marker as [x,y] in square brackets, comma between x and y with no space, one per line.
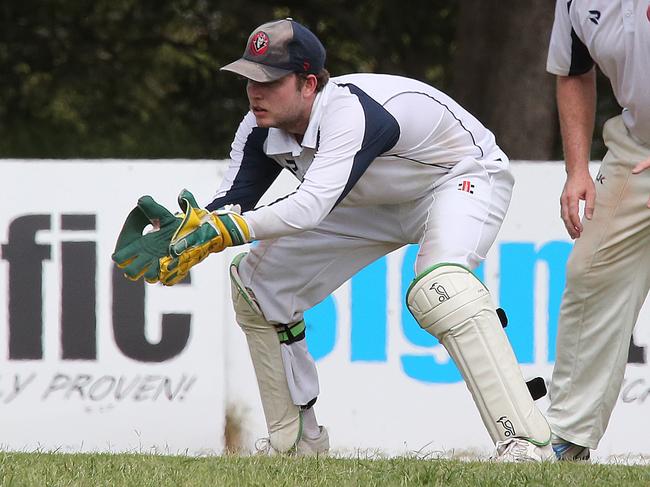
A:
[381,135]
[256,173]
[581,60]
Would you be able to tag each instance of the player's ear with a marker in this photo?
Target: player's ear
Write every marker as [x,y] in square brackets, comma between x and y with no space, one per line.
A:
[309,84]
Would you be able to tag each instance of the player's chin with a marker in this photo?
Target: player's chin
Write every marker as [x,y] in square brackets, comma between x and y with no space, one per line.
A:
[263,119]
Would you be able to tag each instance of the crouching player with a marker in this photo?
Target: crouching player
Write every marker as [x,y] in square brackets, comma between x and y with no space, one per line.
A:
[383,161]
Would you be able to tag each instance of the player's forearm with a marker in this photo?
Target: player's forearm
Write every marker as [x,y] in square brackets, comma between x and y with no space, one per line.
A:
[297,213]
[576,100]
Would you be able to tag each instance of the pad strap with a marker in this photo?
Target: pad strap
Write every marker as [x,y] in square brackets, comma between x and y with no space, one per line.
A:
[291,333]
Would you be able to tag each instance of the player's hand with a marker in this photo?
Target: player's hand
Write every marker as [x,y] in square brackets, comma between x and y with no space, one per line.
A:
[642,166]
[137,254]
[201,233]
[578,187]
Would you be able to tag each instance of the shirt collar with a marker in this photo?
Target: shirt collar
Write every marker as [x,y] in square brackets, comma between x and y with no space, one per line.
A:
[280,142]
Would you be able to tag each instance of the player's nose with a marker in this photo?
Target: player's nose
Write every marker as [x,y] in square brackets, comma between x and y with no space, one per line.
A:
[253,89]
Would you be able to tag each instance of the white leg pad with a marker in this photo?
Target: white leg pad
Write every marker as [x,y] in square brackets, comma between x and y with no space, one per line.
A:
[452,304]
[283,417]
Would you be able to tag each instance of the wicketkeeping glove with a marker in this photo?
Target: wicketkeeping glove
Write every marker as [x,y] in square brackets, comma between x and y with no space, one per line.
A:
[139,255]
[200,234]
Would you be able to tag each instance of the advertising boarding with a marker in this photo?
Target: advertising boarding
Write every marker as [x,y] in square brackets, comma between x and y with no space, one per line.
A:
[93,362]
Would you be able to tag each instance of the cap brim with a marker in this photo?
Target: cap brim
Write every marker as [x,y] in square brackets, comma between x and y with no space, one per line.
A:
[255,71]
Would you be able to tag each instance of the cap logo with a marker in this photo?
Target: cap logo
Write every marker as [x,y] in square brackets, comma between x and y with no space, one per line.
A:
[259,44]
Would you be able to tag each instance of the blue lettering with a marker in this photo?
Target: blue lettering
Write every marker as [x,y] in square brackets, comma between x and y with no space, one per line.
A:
[517,292]
[321,321]
[368,327]
[556,255]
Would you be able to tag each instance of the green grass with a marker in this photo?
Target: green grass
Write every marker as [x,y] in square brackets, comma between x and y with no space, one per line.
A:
[53,469]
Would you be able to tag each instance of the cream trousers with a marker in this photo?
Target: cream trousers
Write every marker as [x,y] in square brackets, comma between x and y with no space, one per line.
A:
[608,277]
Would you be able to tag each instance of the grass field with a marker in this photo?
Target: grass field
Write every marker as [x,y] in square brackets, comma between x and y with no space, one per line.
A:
[52,469]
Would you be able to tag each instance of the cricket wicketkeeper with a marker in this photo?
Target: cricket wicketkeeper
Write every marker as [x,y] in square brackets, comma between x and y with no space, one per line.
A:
[383,161]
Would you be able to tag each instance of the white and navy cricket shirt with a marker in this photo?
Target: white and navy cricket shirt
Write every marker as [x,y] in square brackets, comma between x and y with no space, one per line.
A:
[372,139]
[615,34]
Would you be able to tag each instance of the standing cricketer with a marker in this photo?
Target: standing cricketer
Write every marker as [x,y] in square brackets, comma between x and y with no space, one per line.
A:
[608,273]
[383,161]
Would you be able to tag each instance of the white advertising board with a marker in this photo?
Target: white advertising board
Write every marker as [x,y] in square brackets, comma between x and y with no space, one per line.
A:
[86,371]
[89,360]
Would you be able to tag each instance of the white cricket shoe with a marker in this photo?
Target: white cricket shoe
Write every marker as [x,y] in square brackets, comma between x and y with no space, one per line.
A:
[306,447]
[522,450]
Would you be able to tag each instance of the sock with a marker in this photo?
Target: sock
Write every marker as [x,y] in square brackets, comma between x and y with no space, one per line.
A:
[310,428]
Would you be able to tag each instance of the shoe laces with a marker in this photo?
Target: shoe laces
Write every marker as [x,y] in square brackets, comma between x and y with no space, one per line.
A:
[517,448]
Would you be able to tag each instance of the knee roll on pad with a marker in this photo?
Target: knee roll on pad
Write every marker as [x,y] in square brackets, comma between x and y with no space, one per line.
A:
[242,297]
[283,417]
[453,305]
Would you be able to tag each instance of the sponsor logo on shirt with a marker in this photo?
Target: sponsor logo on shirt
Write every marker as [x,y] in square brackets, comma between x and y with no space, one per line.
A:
[594,16]
[466,186]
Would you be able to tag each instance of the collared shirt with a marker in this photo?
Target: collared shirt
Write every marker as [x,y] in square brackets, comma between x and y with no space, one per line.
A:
[365,144]
[615,34]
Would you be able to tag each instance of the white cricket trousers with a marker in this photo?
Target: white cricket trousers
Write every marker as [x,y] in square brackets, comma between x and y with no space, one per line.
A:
[456,223]
[608,277]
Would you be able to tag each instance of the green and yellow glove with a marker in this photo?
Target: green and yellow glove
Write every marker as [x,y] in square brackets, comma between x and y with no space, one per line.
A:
[200,234]
[137,254]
